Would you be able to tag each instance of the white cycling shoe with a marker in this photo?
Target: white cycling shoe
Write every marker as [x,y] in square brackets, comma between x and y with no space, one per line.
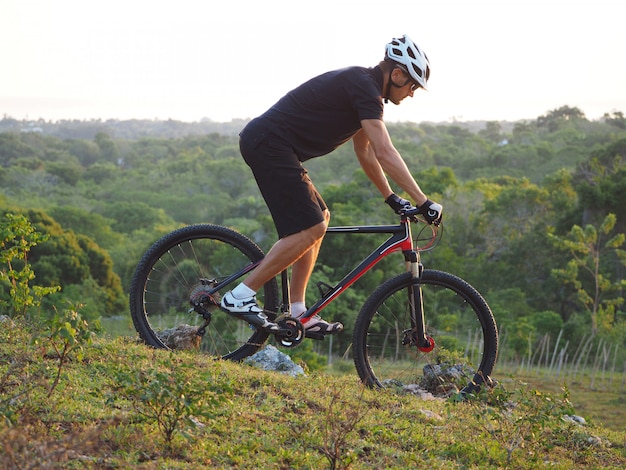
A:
[319,326]
[248,310]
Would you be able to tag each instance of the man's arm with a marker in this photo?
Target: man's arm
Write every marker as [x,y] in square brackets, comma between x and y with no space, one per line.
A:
[377,156]
[367,158]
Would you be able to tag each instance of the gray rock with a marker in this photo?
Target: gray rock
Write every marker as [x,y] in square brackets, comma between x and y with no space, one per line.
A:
[181,337]
[270,358]
[445,379]
[575,419]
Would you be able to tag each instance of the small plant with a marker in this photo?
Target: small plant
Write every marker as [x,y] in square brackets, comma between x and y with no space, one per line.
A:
[17,237]
[339,420]
[67,333]
[516,418]
[169,397]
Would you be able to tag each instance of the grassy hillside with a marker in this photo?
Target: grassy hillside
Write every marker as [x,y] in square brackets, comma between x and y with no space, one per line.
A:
[120,404]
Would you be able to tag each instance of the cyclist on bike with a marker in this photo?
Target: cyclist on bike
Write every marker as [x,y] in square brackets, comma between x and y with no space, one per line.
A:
[310,121]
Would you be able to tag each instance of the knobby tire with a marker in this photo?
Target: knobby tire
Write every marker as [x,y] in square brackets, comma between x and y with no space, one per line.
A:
[457,317]
[173,266]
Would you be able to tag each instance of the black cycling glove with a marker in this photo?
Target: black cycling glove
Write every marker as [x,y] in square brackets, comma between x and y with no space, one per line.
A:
[398,204]
[431,211]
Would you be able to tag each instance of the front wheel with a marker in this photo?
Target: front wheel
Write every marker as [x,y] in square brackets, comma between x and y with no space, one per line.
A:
[457,318]
[178,268]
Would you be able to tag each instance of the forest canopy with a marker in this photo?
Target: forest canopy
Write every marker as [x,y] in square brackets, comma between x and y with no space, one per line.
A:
[531,209]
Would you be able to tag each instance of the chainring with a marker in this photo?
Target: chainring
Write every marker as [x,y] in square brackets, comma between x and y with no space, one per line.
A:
[291,332]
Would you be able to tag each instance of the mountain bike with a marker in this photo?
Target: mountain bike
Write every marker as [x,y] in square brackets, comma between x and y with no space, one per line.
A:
[404,325]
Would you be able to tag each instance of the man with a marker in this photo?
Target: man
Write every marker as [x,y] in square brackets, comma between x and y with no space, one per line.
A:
[311,121]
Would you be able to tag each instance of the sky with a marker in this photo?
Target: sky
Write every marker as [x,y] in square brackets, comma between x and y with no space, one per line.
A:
[503,60]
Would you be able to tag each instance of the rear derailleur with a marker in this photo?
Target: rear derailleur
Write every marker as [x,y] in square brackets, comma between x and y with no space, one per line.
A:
[202,300]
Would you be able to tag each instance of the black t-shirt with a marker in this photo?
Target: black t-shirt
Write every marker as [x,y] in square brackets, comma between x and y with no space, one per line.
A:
[324,112]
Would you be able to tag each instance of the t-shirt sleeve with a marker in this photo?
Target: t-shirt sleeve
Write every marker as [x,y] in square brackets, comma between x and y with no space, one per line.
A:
[366,99]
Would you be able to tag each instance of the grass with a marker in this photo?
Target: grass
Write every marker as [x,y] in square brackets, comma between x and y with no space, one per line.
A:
[605,403]
[124,405]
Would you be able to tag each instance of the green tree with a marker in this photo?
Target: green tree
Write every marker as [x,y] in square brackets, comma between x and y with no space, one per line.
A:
[85,151]
[13,148]
[518,208]
[67,172]
[131,216]
[65,259]
[555,118]
[601,183]
[548,322]
[587,273]
[108,147]
[615,118]
[492,132]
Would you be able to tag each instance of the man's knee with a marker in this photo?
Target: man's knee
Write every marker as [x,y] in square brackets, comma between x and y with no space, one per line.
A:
[327,217]
[318,231]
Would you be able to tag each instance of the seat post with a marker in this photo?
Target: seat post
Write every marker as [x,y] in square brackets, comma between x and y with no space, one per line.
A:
[284,280]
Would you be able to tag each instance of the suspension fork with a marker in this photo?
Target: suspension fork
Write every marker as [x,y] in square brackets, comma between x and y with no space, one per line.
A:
[418,336]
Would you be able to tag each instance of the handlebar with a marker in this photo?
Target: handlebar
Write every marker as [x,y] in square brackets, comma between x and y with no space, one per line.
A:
[411,214]
[429,235]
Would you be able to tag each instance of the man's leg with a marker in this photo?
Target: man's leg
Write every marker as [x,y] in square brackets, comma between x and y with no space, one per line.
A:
[302,269]
[284,253]
[300,275]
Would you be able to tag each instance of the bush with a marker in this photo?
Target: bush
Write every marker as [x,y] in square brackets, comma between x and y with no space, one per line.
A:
[17,237]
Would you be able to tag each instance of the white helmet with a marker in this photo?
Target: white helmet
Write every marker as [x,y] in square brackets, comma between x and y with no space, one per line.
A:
[407,54]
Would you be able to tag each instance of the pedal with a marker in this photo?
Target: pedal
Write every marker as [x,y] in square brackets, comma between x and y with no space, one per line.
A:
[314,335]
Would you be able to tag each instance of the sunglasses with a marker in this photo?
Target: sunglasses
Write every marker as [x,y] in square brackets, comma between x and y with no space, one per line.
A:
[414,86]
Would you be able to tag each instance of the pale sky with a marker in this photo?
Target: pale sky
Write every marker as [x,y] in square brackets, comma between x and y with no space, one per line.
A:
[230,59]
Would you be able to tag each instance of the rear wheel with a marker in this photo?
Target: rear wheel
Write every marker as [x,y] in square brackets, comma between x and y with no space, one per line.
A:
[457,318]
[180,267]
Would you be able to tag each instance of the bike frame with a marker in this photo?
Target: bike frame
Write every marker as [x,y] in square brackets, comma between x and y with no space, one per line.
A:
[400,239]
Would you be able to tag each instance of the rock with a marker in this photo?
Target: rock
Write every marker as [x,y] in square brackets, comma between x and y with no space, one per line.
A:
[443,379]
[415,389]
[181,337]
[431,414]
[270,358]
[575,419]
[594,441]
